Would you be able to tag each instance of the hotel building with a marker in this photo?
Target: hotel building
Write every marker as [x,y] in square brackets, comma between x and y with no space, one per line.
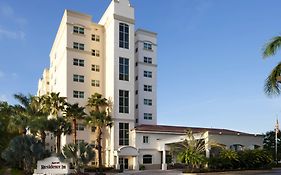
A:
[112,58]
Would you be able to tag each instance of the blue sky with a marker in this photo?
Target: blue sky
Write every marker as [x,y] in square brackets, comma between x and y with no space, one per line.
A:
[210,69]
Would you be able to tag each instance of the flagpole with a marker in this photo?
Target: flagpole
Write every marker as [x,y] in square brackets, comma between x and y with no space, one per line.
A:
[276,146]
[276,141]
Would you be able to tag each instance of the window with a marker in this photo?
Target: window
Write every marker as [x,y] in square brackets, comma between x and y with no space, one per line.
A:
[80,141]
[147,46]
[96,53]
[147,116]
[93,129]
[145,139]
[147,159]
[136,50]
[136,79]
[78,94]
[147,60]
[79,30]
[78,62]
[136,92]
[96,83]
[80,127]
[123,133]
[147,102]
[123,69]
[96,38]
[95,68]
[137,106]
[123,35]
[78,78]
[123,101]
[147,88]
[147,74]
[78,46]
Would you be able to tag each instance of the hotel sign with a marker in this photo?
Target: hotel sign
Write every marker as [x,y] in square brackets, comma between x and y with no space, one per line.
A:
[51,165]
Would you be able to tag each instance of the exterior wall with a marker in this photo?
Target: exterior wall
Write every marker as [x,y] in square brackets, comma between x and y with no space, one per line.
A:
[247,141]
[117,12]
[142,37]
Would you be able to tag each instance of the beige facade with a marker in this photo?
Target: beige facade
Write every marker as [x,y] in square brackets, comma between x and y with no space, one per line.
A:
[112,58]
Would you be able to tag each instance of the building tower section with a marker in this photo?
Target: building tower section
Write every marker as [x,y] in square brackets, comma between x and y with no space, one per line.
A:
[146,77]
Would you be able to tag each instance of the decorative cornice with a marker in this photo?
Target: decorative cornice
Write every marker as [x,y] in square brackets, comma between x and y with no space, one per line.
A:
[125,19]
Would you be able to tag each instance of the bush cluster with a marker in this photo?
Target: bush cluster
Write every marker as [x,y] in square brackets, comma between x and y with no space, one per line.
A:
[247,159]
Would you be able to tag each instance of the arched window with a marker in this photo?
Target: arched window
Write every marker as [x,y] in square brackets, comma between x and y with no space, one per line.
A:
[237,147]
[147,159]
[124,35]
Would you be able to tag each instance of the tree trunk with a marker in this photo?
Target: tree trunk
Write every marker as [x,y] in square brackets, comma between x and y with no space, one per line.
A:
[43,138]
[75,132]
[58,143]
[99,147]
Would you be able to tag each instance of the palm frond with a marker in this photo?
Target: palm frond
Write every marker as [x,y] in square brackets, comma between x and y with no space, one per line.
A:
[272,84]
[272,47]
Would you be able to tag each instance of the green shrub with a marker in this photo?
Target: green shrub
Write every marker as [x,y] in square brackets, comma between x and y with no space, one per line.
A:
[142,167]
[255,159]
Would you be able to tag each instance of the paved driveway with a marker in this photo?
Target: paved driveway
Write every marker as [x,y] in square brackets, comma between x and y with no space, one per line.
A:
[274,171]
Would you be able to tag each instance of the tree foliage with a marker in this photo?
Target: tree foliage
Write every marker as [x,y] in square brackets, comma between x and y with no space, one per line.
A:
[78,155]
[272,84]
[23,152]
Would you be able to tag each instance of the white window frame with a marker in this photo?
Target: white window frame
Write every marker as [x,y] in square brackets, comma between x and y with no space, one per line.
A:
[147,116]
[147,102]
[95,83]
[147,74]
[95,68]
[78,94]
[147,46]
[147,88]
[147,60]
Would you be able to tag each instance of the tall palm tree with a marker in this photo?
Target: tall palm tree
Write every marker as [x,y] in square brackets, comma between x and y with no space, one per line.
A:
[59,126]
[74,112]
[98,119]
[272,84]
[53,103]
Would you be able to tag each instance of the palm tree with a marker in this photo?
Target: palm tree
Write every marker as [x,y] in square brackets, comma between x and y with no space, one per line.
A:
[78,154]
[272,84]
[59,126]
[191,150]
[53,103]
[99,119]
[74,112]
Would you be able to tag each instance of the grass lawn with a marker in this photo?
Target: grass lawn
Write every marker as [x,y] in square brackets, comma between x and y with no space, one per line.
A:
[4,170]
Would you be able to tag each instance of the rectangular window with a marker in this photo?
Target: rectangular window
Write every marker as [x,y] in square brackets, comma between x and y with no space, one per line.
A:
[145,139]
[96,83]
[96,38]
[96,53]
[123,101]
[79,30]
[147,102]
[123,69]
[147,74]
[147,88]
[147,46]
[123,35]
[78,94]
[78,62]
[123,133]
[147,116]
[95,68]
[80,127]
[78,78]
[78,46]
[147,60]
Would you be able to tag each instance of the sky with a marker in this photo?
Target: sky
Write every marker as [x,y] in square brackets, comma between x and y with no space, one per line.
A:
[210,67]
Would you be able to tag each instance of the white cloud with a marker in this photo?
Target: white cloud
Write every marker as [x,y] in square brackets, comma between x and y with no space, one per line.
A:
[4,33]
[1,74]
[8,13]
[15,75]
[3,97]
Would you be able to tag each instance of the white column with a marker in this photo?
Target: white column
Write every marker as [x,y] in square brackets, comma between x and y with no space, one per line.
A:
[117,166]
[136,163]
[164,165]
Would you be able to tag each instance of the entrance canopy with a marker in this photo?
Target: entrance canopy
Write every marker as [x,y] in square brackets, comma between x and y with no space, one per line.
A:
[127,151]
